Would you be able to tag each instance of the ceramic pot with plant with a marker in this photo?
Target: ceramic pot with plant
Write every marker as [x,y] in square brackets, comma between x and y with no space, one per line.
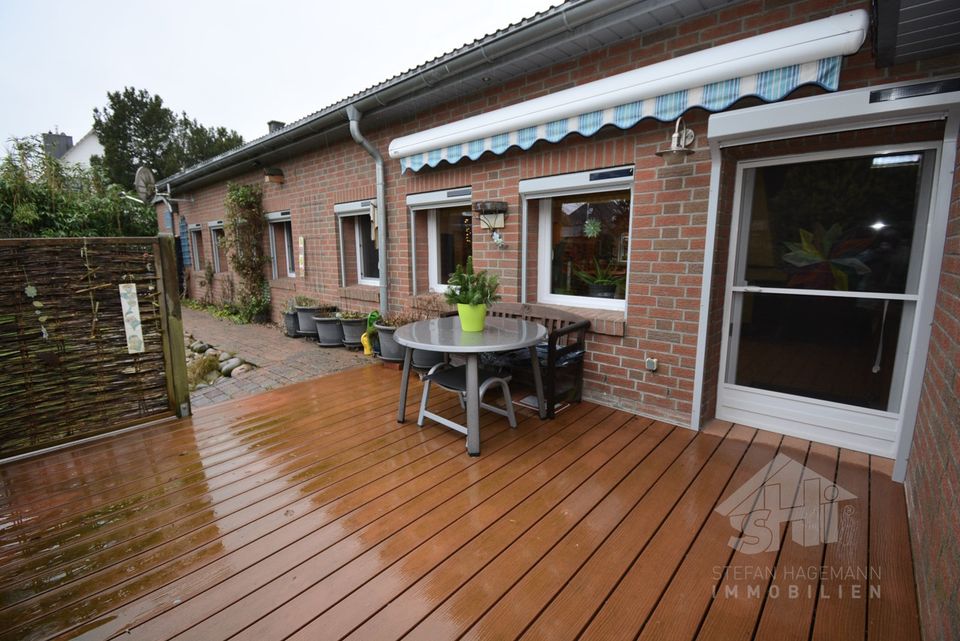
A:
[291,321]
[602,281]
[328,329]
[472,291]
[391,350]
[306,309]
[353,326]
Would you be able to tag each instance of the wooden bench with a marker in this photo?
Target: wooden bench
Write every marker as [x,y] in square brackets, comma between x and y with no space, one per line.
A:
[562,365]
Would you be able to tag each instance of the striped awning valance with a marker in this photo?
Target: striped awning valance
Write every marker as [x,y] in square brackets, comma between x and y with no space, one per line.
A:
[769,66]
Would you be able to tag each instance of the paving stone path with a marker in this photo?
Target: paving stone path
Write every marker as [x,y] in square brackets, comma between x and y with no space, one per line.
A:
[280,360]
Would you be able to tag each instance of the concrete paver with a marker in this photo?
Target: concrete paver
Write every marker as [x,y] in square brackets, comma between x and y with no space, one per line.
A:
[280,360]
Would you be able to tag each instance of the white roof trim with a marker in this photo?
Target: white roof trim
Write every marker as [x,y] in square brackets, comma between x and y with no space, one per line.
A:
[524,123]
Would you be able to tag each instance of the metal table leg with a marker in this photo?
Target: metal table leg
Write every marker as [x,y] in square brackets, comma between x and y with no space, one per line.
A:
[404,384]
[538,381]
[473,406]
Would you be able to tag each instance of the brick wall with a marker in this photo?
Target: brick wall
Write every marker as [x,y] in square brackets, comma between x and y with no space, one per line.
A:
[933,473]
[669,212]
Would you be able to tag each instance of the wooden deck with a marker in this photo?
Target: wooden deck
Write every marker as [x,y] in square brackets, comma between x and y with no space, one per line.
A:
[308,513]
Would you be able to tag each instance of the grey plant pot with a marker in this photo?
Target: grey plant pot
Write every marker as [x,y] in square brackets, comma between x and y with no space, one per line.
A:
[291,324]
[390,350]
[305,320]
[329,332]
[353,329]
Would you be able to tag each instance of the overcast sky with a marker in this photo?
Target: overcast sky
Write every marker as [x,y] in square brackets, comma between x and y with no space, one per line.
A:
[232,63]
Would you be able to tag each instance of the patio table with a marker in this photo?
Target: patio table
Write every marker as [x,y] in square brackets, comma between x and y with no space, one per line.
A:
[445,335]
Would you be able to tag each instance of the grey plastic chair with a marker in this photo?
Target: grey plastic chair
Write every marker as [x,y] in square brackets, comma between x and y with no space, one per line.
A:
[454,379]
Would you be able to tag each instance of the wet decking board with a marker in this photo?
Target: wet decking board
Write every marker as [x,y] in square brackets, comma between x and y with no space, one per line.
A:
[309,513]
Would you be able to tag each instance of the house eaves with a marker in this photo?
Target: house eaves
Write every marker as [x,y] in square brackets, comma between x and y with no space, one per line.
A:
[561,33]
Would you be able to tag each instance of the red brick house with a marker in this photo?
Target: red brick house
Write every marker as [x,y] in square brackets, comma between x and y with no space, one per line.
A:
[793,263]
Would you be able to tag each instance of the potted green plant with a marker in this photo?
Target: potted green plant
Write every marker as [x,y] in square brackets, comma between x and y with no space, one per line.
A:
[352,325]
[327,327]
[471,292]
[306,308]
[602,281]
[391,350]
[291,321]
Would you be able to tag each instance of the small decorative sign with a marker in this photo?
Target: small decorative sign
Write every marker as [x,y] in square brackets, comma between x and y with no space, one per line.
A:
[131,318]
[300,244]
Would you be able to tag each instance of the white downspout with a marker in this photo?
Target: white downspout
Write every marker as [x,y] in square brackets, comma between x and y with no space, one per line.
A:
[354,115]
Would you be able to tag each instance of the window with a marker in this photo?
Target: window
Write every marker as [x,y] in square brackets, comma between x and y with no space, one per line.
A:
[582,227]
[359,256]
[441,235]
[281,247]
[219,240]
[449,242]
[196,248]
[368,258]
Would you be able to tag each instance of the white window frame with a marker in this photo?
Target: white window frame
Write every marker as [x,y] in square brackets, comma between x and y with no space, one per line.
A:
[195,234]
[429,203]
[545,189]
[863,429]
[281,217]
[215,244]
[364,207]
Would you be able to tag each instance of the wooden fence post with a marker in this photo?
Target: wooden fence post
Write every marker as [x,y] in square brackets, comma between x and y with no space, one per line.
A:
[174,353]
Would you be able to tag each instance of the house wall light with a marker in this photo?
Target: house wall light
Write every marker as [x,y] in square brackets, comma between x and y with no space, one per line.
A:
[492,213]
[273,175]
[680,143]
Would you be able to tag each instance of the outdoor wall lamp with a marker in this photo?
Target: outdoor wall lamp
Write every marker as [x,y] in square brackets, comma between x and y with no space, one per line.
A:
[492,214]
[679,144]
[273,175]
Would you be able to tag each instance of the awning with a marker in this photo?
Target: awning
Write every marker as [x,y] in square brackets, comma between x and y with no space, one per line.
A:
[768,66]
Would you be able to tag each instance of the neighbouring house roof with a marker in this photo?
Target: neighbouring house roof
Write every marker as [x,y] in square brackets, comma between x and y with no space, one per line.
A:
[563,32]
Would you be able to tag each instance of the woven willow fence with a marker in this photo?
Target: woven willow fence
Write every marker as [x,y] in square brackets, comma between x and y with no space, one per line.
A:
[66,367]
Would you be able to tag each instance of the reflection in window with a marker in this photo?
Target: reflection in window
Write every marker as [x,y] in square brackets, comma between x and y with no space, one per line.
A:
[844,224]
[369,258]
[454,241]
[589,238]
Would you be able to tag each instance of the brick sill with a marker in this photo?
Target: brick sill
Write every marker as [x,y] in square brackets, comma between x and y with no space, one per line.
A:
[602,321]
[367,293]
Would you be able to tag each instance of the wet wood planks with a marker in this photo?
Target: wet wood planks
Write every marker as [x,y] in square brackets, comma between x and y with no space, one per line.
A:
[309,513]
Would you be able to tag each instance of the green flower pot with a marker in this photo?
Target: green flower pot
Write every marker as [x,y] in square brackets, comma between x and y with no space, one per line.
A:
[471,317]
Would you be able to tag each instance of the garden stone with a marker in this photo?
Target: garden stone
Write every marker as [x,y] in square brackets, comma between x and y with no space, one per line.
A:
[240,371]
[212,352]
[211,376]
[199,347]
[229,365]
[225,356]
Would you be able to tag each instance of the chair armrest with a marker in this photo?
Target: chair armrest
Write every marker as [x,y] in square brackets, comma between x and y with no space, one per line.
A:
[580,328]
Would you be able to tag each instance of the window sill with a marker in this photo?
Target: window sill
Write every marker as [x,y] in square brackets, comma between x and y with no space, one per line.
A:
[608,322]
[361,292]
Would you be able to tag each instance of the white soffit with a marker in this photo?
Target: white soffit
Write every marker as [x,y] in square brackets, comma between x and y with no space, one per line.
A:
[769,66]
